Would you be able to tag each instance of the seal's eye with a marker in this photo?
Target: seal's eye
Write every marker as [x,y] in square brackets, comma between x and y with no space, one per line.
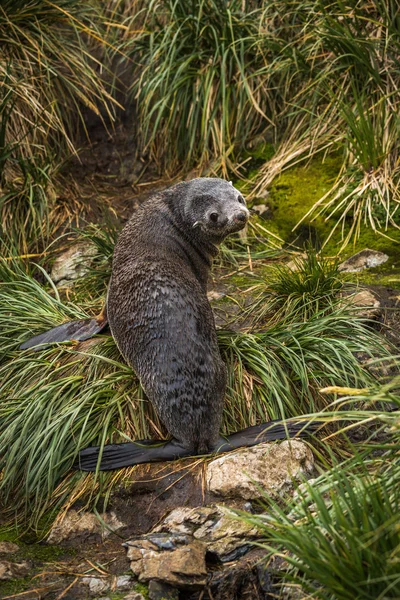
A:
[214,217]
[241,199]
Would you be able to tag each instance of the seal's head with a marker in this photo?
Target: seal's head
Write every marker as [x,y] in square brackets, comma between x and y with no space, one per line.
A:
[214,208]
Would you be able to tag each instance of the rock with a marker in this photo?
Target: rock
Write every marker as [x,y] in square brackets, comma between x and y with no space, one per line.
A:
[124,582]
[73,263]
[96,585]
[268,468]
[134,596]
[367,304]
[222,533]
[162,591]
[263,211]
[296,263]
[214,295]
[292,592]
[366,259]
[8,547]
[83,526]
[177,560]
[237,583]
[9,570]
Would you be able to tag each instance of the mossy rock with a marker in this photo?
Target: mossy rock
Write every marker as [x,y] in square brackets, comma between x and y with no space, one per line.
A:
[291,196]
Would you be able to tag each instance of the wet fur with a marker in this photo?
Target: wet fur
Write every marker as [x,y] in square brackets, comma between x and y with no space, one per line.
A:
[158,310]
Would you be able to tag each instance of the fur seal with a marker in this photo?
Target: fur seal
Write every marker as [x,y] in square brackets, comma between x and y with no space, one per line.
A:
[163,324]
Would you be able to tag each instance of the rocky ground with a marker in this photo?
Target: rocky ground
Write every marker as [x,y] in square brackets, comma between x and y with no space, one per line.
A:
[171,533]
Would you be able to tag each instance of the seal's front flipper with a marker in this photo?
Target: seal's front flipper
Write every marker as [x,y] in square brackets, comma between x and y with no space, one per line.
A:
[267,432]
[73,330]
[116,456]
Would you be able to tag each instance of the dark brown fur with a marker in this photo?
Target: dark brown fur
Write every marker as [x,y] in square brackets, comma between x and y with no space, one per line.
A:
[158,310]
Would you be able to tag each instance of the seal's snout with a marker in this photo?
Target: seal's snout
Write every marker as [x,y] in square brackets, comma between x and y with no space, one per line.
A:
[241,216]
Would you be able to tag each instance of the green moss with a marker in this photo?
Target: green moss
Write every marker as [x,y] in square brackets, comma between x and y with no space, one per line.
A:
[14,586]
[31,548]
[9,534]
[294,192]
[140,588]
[291,196]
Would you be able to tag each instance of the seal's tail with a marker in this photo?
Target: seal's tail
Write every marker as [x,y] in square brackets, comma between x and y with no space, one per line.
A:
[73,330]
[116,456]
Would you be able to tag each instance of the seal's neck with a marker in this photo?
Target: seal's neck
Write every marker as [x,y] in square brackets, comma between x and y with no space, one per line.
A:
[191,248]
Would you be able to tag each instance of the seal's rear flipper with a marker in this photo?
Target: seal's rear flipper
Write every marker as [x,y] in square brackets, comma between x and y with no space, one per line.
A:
[73,330]
[116,456]
[268,432]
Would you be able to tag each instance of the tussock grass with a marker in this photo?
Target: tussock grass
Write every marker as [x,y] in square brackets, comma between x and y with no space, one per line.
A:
[344,541]
[200,77]
[57,401]
[49,79]
[309,285]
[338,68]
[46,64]
[339,535]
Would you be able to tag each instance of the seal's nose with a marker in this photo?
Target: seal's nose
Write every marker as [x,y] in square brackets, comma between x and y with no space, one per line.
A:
[240,216]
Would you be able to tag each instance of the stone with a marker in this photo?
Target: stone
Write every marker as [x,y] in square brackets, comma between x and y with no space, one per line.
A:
[83,525]
[292,592]
[214,295]
[263,211]
[296,263]
[134,596]
[177,560]
[239,581]
[96,585]
[124,582]
[264,469]
[8,547]
[10,570]
[367,305]
[218,528]
[162,591]
[365,259]
[73,263]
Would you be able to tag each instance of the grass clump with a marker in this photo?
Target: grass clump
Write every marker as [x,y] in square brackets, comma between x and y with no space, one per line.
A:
[309,285]
[344,543]
[58,400]
[339,536]
[49,80]
[338,68]
[200,77]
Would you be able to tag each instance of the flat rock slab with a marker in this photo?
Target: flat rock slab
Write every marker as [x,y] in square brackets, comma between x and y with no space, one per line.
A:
[8,548]
[264,469]
[222,533]
[366,259]
[83,526]
[73,263]
[177,560]
[367,304]
[10,570]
